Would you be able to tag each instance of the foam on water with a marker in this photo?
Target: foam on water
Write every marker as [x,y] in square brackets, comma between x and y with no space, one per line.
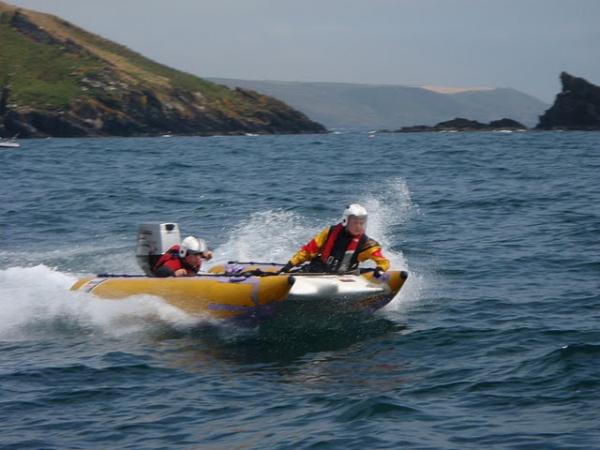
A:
[391,208]
[266,236]
[37,300]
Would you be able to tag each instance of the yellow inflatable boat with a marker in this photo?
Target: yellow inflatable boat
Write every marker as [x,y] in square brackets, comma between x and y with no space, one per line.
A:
[254,291]
[242,290]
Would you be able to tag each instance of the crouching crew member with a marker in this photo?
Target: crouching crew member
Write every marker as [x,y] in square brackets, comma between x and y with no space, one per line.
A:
[183,260]
[340,248]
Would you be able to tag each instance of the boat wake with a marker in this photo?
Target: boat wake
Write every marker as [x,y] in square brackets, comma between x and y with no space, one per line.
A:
[36,301]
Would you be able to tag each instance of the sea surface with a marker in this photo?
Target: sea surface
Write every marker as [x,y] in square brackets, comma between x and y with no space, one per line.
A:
[494,342]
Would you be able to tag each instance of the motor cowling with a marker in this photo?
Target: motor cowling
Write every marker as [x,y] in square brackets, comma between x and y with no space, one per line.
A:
[153,240]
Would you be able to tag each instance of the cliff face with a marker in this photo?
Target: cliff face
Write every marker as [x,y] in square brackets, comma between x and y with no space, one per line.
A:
[59,80]
[577,106]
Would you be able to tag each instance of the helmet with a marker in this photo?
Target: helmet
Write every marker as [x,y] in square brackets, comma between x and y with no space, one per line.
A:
[192,245]
[355,210]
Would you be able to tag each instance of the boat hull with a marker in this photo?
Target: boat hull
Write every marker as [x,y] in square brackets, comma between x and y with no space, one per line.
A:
[215,296]
[9,144]
[331,292]
[255,292]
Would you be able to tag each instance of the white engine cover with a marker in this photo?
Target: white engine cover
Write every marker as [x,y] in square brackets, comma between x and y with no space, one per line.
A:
[153,240]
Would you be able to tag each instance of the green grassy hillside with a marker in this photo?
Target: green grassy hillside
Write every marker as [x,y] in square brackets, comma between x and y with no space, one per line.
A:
[40,74]
[97,87]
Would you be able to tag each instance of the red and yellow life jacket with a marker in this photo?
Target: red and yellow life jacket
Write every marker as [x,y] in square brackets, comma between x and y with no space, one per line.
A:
[340,252]
[336,250]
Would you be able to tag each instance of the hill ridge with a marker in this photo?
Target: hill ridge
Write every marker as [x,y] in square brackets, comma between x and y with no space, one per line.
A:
[375,106]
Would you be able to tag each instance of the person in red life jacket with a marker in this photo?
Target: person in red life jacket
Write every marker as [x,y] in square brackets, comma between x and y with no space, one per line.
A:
[340,248]
[183,260]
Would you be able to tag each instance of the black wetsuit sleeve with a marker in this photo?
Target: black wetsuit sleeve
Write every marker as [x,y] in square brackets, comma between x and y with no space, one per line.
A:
[164,272]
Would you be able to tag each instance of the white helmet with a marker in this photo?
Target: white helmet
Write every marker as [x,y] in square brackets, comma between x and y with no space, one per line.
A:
[192,245]
[355,210]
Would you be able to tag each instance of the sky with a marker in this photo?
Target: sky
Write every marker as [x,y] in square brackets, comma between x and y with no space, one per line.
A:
[523,44]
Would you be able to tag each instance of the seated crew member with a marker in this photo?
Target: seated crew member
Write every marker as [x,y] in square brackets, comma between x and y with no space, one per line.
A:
[183,260]
[340,248]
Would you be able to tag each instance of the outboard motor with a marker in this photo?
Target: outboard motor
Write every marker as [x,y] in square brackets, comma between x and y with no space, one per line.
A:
[153,240]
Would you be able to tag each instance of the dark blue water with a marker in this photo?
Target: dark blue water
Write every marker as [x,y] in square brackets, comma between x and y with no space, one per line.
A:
[493,343]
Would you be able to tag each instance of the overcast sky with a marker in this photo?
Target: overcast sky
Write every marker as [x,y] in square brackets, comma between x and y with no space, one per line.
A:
[523,44]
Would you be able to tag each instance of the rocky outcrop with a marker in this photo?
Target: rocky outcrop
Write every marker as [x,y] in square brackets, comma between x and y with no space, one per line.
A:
[144,114]
[59,80]
[506,124]
[577,106]
[460,124]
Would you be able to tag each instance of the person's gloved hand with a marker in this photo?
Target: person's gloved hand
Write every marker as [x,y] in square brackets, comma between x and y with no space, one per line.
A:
[378,272]
[286,268]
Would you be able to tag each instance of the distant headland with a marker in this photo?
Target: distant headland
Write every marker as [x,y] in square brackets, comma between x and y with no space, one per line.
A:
[354,106]
[59,80]
[577,107]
